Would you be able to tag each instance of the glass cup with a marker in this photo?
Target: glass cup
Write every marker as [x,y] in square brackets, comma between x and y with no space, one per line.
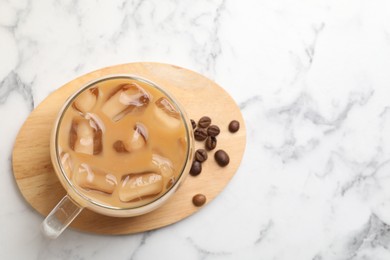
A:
[76,200]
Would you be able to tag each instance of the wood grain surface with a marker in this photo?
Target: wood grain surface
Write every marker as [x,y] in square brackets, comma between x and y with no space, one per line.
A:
[199,96]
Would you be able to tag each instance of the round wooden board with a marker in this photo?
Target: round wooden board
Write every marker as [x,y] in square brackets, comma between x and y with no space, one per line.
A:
[199,96]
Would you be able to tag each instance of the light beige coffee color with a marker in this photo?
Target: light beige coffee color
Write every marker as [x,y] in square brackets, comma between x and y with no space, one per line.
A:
[122,143]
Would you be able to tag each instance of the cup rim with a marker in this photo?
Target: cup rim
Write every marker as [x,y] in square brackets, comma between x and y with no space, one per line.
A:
[61,173]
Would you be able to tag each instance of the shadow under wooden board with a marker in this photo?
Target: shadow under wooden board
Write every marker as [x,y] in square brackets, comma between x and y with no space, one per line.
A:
[199,96]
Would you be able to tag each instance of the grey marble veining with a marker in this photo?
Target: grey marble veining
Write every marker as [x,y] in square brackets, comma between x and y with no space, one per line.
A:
[12,82]
[311,79]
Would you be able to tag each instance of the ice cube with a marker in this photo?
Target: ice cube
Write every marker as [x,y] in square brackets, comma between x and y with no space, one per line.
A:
[170,183]
[183,144]
[129,98]
[166,168]
[138,138]
[85,136]
[84,142]
[86,100]
[135,187]
[166,113]
[94,179]
[67,163]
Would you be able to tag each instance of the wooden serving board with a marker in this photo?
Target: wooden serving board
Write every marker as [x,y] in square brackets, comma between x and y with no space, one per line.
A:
[199,96]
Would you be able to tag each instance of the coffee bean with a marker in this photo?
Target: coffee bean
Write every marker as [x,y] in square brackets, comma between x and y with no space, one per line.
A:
[196,168]
[222,158]
[201,155]
[204,122]
[200,134]
[193,124]
[213,130]
[199,200]
[211,143]
[234,126]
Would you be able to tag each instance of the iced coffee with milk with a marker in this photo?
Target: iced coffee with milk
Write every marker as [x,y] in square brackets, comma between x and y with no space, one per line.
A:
[122,142]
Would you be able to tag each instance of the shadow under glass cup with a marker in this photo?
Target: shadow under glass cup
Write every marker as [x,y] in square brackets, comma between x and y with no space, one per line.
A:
[120,146]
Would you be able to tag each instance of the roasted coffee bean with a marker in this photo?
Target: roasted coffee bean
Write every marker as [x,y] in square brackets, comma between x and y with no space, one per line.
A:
[213,130]
[222,158]
[200,134]
[193,124]
[211,143]
[204,122]
[199,200]
[196,168]
[201,155]
[234,126]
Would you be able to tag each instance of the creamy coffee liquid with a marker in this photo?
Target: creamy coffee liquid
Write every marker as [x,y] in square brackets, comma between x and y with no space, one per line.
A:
[122,143]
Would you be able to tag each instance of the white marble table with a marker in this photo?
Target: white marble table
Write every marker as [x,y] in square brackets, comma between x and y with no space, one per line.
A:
[312,79]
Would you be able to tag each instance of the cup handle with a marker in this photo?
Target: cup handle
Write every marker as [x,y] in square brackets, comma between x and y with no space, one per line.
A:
[60,217]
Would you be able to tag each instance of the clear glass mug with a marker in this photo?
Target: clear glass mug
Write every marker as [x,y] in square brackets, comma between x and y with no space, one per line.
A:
[75,201]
